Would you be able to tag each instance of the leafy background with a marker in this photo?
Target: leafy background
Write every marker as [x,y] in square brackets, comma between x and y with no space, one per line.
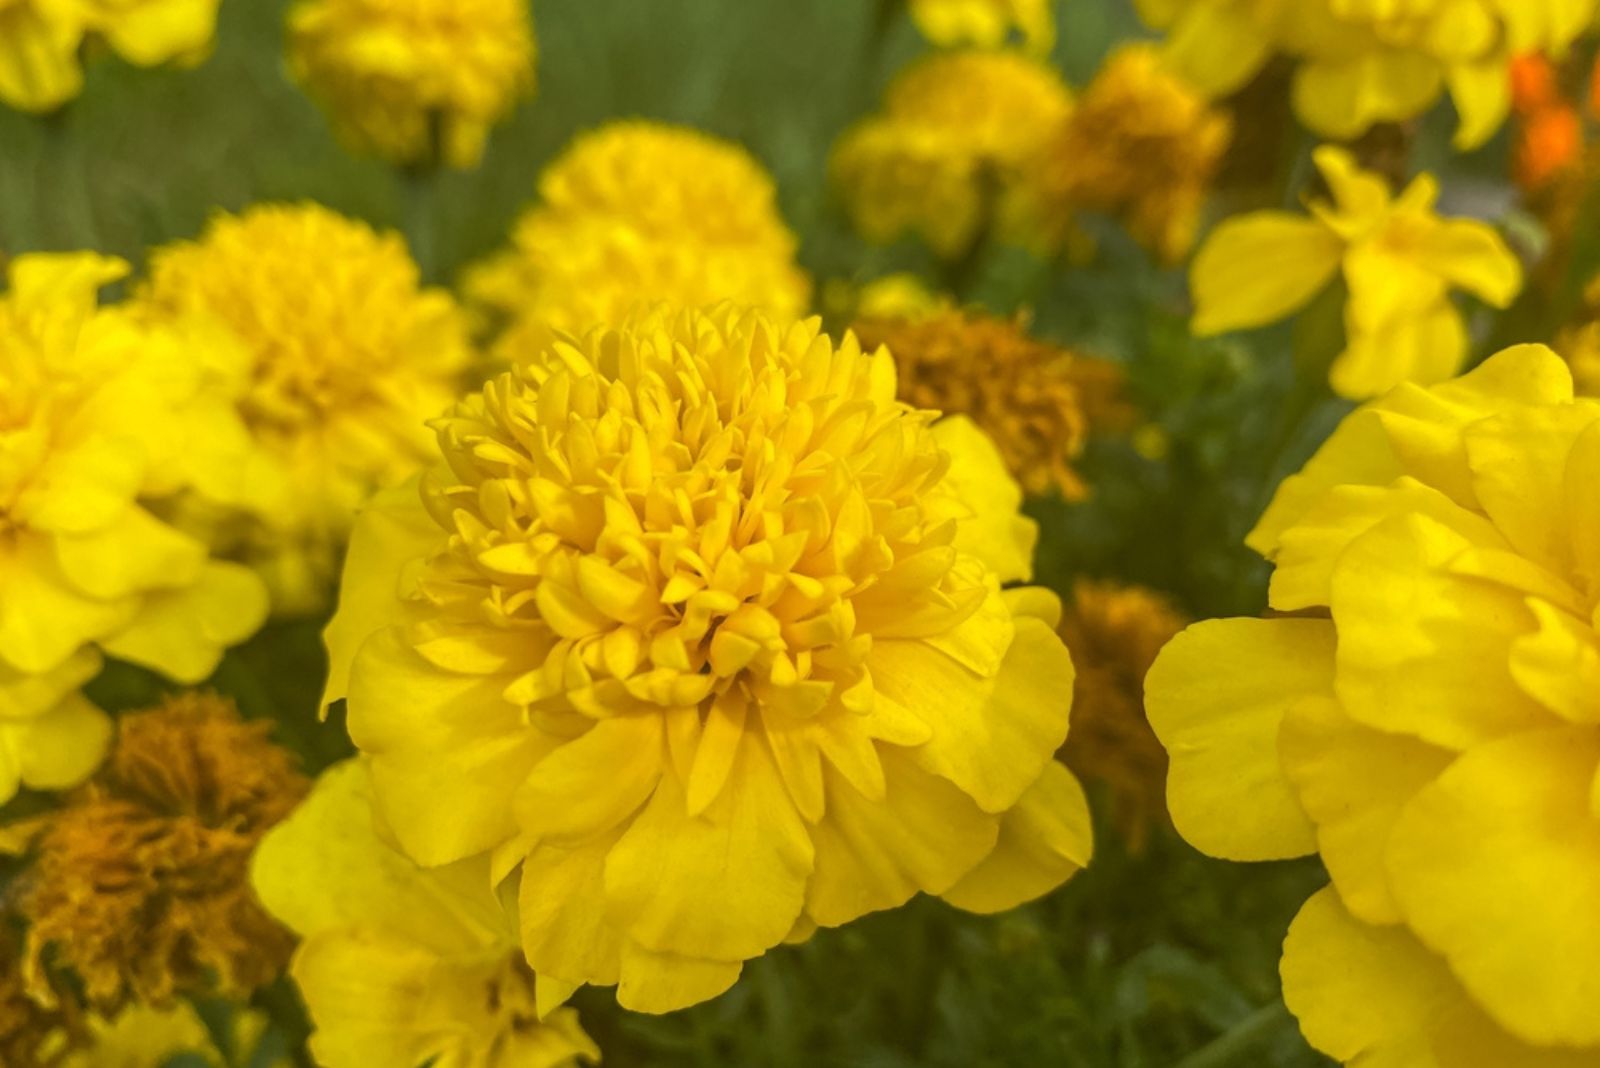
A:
[1162,959]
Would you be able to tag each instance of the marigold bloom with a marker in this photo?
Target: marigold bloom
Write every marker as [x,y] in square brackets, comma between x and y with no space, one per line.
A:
[1034,400]
[954,152]
[1364,62]
[144,1037]
[986,23]
[403,965]
[1141,145]
[639,213]
[1426,716]
[1399,258]
[706,630]
[1114,633]
[416,82]
[334,372]
[139,885]
[41,42]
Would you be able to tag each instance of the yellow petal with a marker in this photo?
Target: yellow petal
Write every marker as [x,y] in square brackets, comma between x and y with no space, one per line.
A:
[1425,345]
[182,633]
[1342,98]
[566,932]
[594,782]
[44,620]
[63,747]
[136,553]
[1216,697]
[992,527]
[1260,268]
[1482,94]
[158,31]
[366,993]
[661,982]
[1044,840]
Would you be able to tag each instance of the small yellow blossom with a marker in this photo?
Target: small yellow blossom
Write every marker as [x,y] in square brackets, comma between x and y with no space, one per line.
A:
[403,965]
[640,213]
[954,152]
[1114,633]
[144,1037]
[1424,714]
[41,42]
[1141,145]
[139,885]
[706,630]
[1399,259]
[333,371]
[416,82]
[1032,399]
[1359,63]
[986,23]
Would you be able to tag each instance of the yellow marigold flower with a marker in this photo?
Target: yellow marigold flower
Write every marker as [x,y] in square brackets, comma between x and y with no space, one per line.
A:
[706,630]
[41,42]
[101,418]
[139,885]
[986,23]
[416,82]
[640,213]
[1364,62]
[1426,716]
[403,965]
[334,373]
[1141,145]
[1032,399]
[1114,633]
[1399,259]
[954,152]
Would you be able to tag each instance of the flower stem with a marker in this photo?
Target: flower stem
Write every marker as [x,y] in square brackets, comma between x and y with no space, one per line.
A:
[64,206]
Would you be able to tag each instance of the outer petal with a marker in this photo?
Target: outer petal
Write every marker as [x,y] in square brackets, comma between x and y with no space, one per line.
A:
[1045,840]
[1343,99]
[1260,268]
[1426,345]
[1472,256]
[62,748]
[39,68]
[182,633]
[1216,697]
[367,992]
[661,982]
[1497,866]
[158,31]
[993,528]
[43,619]
[566,932]
[1482,93]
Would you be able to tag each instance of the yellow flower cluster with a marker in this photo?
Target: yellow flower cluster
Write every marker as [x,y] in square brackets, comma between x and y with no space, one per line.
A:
[954,151]
[42,41]
[333,373]
[1425,715]
[637,213]
[102,418]
[1399,261]
[417,82]
[703,632]
[1363,62]
[986,23]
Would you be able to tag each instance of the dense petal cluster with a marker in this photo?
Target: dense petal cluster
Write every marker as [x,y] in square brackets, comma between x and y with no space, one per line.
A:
[640,213]
[954,152]
[402,965]
[1359,63]
[1037,402]
[704,629]
[986,23]
[42,41]
[1114,633]
[1399,259]
[333,372]
[101,418]
[1425,715]
[140,884]
[1141,145]
[417,82]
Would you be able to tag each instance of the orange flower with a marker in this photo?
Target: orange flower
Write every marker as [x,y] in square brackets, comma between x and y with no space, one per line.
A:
[1549,143]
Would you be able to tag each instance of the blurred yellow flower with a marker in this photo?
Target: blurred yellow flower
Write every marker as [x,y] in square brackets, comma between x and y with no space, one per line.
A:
[1425,714]
[417,82]
[954,153]
[1141,145]
[139,885]
[403,965]
[144,1037]
[334,372]
[101,418]
[1579,344]
[986,23]
[640,213]
[41,42]
[1364,62]
[1399,258]
[706,630]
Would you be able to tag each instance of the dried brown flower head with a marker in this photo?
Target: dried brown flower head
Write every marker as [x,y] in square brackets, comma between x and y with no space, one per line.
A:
[140,885]
[31,1032]
[1114,633]
[1037,401]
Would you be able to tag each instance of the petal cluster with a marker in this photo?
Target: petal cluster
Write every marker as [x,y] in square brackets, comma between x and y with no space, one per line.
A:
[1398,258]
[415,82]
[702,633]
[332,373]
[640,213]
[1425,715]
[1359,63]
